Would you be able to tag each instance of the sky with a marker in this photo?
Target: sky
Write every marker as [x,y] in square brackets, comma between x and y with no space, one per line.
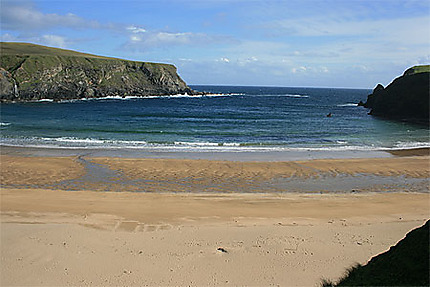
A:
[292,43]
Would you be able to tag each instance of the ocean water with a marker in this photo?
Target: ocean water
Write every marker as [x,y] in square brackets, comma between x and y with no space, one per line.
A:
[234,118]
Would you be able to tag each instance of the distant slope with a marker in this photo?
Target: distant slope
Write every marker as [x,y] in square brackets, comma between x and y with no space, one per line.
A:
[31,72]
[10,48]
[405,264]
[406,98]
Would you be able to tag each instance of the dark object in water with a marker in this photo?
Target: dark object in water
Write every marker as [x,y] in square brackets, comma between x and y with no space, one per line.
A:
[328,115]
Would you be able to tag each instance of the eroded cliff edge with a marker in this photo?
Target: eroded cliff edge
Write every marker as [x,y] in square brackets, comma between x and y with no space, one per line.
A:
[30,72]
[406,98]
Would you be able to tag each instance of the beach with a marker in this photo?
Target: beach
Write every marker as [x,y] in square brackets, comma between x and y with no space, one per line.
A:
[81,220]
[214,143]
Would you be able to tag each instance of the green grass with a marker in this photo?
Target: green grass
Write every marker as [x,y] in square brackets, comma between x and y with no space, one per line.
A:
[12,48]
[417,70]
[28,49]
[35,58]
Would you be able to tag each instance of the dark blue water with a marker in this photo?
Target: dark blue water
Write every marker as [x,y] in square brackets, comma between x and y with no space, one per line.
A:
[236,118]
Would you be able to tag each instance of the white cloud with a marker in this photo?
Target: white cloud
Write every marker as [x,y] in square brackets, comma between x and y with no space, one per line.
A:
[298,69]
[134,38]
[54,40]
[23,16]
[46,39]
[8,38]
[135,29]
[413,30]
[143,41]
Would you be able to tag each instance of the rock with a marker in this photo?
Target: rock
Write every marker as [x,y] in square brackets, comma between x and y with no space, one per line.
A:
[406,98]
[32,72]
[7,84]
[378,88]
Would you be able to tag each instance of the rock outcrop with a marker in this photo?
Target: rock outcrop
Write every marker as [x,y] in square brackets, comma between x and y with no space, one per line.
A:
[406,98]
[31,72]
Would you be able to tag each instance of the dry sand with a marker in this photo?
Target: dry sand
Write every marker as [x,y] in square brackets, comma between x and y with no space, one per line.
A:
[51,235]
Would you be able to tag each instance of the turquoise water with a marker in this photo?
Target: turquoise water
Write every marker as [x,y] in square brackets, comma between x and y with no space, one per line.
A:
[233,119]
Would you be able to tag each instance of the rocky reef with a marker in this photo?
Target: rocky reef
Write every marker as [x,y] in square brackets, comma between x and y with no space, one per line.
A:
[31,72]
[406,98]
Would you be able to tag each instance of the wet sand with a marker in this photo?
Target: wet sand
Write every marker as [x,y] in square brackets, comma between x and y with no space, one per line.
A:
[411,152]
[63,221]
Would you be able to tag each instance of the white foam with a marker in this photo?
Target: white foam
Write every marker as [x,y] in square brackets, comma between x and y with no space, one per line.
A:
[410,145]
[296,96]
[191,96]
[230,144]
[114,98]
[105,143]
[4,124]
[348,105]
[285,95]
[43,101]
[77,143]
[149,97]
[74,140]
[202,144]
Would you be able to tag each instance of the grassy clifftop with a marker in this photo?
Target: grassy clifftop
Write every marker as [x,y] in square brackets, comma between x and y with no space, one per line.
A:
[32,72]
[417,70]
[10,48]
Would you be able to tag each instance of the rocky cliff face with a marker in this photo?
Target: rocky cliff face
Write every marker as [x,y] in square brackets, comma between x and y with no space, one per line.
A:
[32,74]
[406,98]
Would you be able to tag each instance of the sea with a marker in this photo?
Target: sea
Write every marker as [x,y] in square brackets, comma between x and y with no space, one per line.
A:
[227,119]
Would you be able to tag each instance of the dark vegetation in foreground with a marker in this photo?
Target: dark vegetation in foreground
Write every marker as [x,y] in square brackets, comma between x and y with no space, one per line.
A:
[405,264]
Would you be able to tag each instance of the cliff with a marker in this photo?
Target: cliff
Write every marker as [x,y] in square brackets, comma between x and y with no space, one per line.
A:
[406,98]
[31,72]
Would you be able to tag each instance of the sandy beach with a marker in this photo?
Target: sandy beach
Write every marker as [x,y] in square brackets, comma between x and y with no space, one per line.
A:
[83,221]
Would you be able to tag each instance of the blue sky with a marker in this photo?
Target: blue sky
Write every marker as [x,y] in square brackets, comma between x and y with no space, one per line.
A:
[310,43]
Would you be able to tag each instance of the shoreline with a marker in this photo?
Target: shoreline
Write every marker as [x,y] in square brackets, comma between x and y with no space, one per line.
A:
[264,156]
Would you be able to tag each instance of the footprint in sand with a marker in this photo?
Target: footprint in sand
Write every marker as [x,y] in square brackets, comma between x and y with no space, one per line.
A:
[136,226]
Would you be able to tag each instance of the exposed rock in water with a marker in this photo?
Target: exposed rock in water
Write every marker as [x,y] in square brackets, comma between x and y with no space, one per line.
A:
[406,98]
[31,72]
